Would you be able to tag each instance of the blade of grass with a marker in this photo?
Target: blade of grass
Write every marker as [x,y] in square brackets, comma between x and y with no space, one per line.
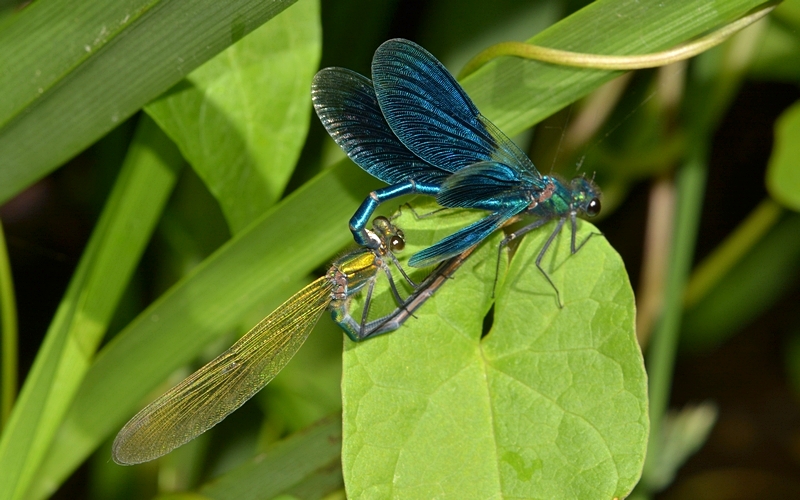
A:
[8,317]
[284,466]
[519,93]
[73,71]
[599,61]
[124,228]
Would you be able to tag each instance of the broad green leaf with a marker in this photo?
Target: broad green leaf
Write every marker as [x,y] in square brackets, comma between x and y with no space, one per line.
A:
[241,118]
[303,460]
[262,265]
[72,71]
[125,226]
[783,172]
[552,403]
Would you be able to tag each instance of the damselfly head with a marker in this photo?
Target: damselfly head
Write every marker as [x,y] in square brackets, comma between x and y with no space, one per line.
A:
[585,196]
[392,237]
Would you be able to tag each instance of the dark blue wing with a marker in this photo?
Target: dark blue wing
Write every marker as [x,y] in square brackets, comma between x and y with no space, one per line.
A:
[487,185]
[457,242]
[433,116]
[346,105]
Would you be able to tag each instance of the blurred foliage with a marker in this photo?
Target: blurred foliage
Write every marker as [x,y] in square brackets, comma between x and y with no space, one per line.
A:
[181,259]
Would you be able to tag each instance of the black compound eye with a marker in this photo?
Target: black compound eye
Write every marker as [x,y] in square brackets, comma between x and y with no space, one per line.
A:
[593,208]
[397,243]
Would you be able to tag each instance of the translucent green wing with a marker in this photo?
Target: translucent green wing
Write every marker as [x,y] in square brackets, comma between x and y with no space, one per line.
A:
[224,384]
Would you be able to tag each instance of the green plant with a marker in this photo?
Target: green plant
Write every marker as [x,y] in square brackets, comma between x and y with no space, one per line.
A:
[224,87]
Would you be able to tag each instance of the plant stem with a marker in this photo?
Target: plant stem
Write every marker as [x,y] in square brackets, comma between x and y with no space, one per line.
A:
[731,251]
[614,62]
[690,182]
[658,240]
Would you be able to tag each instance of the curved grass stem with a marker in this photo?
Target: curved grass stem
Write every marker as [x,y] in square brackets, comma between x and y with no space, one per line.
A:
[614,62]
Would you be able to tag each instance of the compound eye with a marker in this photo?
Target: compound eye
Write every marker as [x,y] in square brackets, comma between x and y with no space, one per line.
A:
[593,208]
[397,243]
[381,224]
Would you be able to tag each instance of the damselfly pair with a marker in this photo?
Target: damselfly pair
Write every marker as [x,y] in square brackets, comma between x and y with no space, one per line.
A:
[416,129]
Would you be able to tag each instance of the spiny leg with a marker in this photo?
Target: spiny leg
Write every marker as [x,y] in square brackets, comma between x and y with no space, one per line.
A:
[366,329]
[417,215]
[408,279]
[432,283]
[573,248]
[367,304]
[508,239]
[541,256]
[393,286]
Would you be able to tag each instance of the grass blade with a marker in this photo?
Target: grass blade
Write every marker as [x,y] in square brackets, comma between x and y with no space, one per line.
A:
[102,62]
[520,93]
[134,206]
[285,465]
[8,316]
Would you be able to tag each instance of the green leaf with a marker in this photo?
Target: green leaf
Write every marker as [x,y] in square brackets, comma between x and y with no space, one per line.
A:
[307,460]
[516,93]
[133,208]
[242,118]
[9,336]
[552,403]
[73,71]
[480,26]
[783,172]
